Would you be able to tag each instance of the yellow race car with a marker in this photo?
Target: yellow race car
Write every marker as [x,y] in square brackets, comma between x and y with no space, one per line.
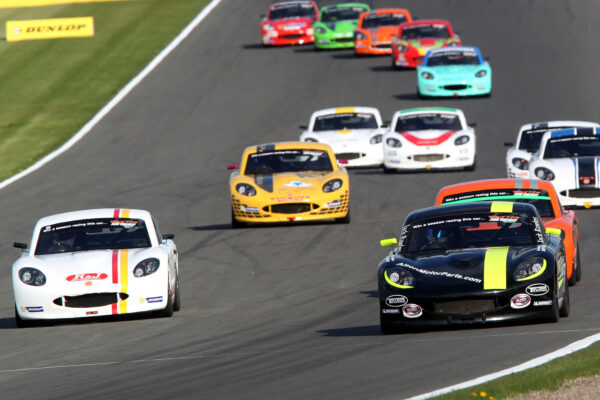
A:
[287,182]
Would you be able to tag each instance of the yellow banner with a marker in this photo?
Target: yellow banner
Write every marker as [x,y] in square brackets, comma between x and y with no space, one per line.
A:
[49,28]
[38,3]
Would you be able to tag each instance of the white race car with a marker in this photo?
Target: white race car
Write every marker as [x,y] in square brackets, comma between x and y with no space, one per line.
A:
[570,159]
[354,134]
[429,138]
[94,263]
[519,155]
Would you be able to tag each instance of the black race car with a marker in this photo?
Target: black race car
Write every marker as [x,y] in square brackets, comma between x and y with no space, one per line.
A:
[474,262]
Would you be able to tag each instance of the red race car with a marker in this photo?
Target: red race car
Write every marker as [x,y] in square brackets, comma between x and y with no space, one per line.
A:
[414,39]
[376,29]
[289,22]
[537,192]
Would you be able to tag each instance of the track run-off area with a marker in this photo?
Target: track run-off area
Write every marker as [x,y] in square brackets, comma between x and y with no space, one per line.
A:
[290,311]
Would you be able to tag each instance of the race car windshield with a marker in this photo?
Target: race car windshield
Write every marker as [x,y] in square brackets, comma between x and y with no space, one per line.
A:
[341,14]
[421,122]
[292,11]
[297,160]
[573,146]
[425,31]
[93,234]
[453,58]
[377,20]
[345,121]
[538,198]
[473,231]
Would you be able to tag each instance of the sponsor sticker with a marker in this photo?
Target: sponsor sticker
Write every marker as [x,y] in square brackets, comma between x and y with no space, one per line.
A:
[542,303]
[94,276]
[537,289]
[34,309]
[157,299]
[396,301]
[336,203]
[248,209]
[412,311]
[390,310]
[519,301]
[297,184]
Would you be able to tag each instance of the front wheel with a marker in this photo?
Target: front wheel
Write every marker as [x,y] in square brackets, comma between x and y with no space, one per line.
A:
[565,307]
[344,220]
[177,300]
[578,263]
[387,328]
[22,323]
[235,224]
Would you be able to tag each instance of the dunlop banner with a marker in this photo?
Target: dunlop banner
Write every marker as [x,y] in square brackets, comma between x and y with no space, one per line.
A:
[39,3]
[49,28]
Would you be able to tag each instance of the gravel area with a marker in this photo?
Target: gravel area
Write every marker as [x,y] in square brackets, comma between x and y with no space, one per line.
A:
[585,388]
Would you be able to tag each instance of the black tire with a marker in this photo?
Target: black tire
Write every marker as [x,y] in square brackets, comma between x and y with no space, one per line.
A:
[554,314]
[578,270]
[235,224]
[386,327]
[22,323]
[472,166]
[565,307]
[344,220]
[387,170]
[168,310]
[177,301]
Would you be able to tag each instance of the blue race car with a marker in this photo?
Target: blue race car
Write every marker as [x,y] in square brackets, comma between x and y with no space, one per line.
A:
[454,71]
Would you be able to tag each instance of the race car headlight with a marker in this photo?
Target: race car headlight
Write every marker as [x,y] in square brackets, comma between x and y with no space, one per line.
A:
[461,140]
[376,139]
[245,189]
[310,140]
[359,36]
[268,27]
[320,30]
[332,185]
[401,48]
[426,75]
[393,142]
[146,267]
[481,74]
[32,276]
[399,278]
[530,269]
[520,163]
[544,173]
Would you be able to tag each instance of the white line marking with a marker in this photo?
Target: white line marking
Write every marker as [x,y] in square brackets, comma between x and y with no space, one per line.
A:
[571,348]
[117,99]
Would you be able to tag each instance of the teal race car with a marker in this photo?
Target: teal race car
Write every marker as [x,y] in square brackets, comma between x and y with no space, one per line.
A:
[335,27]
[454,72]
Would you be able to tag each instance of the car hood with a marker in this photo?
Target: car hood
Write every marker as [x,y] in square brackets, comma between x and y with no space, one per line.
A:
[287,22]
[347,136]
[430,137]
[582,171]
[383,33]
[456,270]
[425,44]
[338,27]
[293,182]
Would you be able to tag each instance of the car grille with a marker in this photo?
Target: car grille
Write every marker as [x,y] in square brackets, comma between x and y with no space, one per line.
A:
[349,156]
[510,174]
[456,87]
[345,40]
[290,208]
[465,306]
[581,193]
[238,212]
[428,157]
[290,36]
[90,300]
[383,46]
[334,210]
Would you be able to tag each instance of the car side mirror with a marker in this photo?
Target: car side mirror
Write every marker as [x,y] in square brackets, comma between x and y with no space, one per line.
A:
[19,245]
[168,236]
[508,144]
[388,242]
[472,124]
[486,58]
[303,127]
[233,166]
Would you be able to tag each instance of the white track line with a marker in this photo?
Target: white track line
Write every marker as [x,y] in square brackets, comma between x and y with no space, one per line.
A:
[573,347]
[117,99]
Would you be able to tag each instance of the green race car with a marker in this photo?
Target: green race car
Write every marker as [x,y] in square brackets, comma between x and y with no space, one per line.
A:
[335,28]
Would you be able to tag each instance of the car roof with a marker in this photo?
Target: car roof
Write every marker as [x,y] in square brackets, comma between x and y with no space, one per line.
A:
[94,213]
[428,110]
[290,145]
[343,110]
[345,5]
[558,123]
[496,207]
[426,22]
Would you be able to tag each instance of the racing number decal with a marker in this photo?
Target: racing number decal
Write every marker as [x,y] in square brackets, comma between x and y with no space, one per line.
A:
[494,268]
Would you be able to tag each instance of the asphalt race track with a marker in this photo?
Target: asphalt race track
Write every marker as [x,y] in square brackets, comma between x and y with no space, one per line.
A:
[290,312]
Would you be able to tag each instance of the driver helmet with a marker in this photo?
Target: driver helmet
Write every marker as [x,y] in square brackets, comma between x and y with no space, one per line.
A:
[437,235]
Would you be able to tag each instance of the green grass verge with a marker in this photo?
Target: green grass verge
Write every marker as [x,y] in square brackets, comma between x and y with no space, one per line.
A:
[50,88]
[549,376]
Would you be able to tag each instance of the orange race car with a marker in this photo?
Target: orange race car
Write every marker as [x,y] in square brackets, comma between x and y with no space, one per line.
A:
[537,192]
[377,28]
